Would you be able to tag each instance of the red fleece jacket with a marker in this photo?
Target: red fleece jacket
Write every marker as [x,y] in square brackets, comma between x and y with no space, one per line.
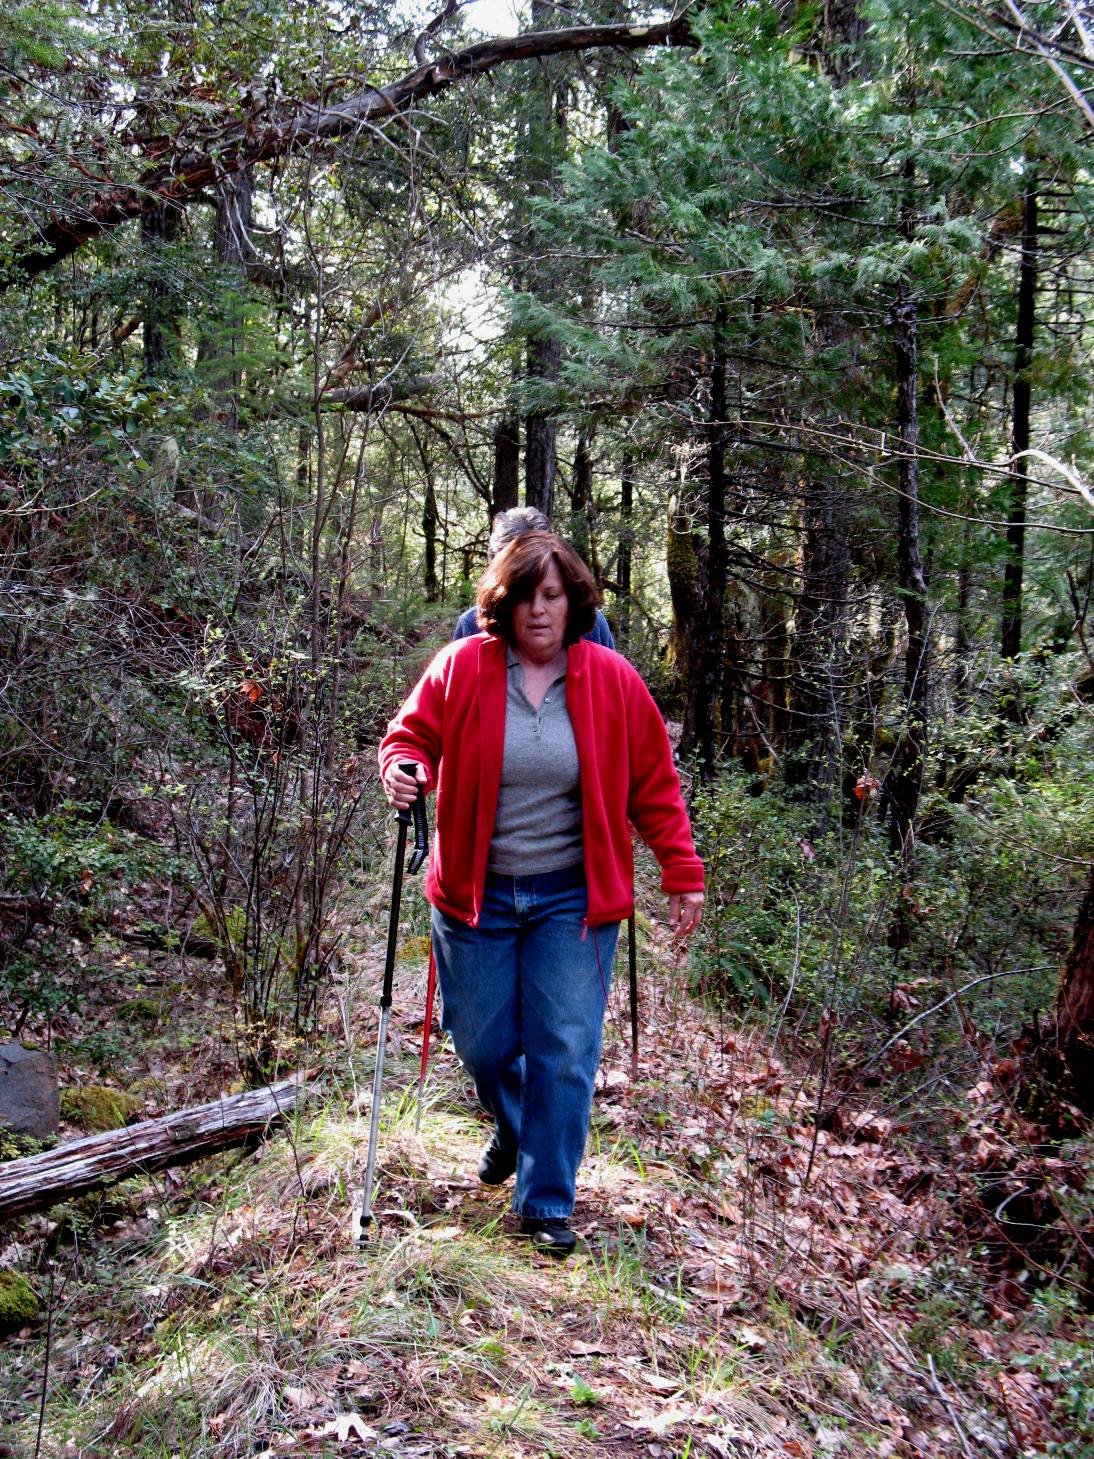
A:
[453,723]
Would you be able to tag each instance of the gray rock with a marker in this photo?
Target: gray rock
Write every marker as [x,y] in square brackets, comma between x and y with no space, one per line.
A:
[29,1093]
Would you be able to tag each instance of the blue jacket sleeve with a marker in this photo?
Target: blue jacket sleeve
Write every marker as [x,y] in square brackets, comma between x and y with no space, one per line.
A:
[467,623]
[601,633]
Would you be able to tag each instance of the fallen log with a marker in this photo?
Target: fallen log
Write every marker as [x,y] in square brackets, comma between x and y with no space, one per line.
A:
[165,939]
[39,1181]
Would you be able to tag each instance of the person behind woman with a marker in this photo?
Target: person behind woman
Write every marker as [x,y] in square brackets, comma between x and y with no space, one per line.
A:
[505,527]
[541,747]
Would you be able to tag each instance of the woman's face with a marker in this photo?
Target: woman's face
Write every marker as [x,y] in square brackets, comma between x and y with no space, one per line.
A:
[539,623]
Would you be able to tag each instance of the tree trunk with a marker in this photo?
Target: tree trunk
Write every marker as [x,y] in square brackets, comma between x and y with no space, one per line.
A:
[1075,1003]
[159,227]
[41,1181]
[220,349]
[707,678]
[738,725]
[430,522]
[843,30]
[1011,639]
[776,648]
[626,548]
[682,563]
[544,149]
[818,689]
[818,655]
[506,465]
[962,641]
[704,633]
[540,431]
[581,500]
[905,778]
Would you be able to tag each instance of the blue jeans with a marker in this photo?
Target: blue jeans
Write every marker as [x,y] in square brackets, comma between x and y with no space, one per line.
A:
[524,1000]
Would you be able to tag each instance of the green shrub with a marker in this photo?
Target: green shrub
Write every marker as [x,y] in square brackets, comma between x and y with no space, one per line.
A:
[786,908]
[1068,1368]
[17,1147]
[806,905]
[70,853]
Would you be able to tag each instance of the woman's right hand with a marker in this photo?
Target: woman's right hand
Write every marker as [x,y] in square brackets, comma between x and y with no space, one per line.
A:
[400,788]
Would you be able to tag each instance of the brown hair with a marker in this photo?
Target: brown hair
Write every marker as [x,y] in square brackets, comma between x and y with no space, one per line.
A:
[517,571]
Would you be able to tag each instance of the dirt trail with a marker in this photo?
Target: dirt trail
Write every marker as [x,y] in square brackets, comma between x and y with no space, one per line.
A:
[720,1303]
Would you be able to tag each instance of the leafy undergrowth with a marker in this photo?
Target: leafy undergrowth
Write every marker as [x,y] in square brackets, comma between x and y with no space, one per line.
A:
[747,1284]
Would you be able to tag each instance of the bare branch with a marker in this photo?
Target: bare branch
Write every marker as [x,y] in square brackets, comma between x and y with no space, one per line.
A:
[1043,49]
[451,6]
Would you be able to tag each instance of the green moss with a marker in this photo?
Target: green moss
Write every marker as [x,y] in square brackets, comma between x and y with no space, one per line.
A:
[144,1010]
[682,559]
[95,1107]
[18,1301]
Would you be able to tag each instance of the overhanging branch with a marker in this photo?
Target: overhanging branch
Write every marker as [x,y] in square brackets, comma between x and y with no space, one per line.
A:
[370,398]
[283,132]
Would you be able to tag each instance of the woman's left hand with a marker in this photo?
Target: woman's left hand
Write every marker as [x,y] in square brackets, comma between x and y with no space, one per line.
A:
[685,910]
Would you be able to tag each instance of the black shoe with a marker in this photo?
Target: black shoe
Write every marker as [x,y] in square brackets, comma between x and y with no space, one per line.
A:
[548,1234]
[497,1163]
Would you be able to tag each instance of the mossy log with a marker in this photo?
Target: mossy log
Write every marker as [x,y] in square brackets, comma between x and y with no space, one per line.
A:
[41,1181]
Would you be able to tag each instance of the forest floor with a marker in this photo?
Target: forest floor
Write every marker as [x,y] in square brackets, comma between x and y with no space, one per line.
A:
[746,1284]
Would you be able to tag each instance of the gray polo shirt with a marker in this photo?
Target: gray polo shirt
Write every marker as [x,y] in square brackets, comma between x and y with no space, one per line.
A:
[537,826]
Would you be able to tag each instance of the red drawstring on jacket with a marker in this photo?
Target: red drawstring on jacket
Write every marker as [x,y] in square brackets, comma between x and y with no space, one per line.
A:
[427,1028]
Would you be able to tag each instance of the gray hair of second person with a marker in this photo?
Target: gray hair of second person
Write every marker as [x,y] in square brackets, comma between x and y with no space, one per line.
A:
[509,525]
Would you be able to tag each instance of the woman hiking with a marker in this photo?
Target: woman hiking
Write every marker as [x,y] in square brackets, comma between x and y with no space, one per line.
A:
[543,749]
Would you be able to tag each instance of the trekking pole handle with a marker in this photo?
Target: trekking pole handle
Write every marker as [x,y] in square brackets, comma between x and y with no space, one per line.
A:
[421,825]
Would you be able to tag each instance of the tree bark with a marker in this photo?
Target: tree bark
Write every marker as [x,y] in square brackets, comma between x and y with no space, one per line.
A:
[707,679]
[369,398]
[41,1181]
[282,131]
[962,639]
[1011,638]
[776,645]
[682,564]
[843,29]
[818,660]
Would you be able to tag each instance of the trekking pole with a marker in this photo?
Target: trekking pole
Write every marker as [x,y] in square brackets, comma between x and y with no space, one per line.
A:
[632,961]
[418,855]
